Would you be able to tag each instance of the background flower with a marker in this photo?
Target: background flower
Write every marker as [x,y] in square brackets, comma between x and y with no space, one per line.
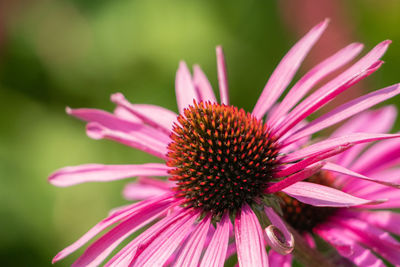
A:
[360,233]
[58,53]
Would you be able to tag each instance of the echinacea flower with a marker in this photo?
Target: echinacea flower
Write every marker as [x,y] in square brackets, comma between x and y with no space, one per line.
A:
[225,165]
[358,233]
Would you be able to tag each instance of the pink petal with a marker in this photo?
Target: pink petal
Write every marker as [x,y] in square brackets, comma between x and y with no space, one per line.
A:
[342,170]
[328,232]
[104,118]
[202,85]
[103,173]
[286,69]
[380,156]
[155,116]
[386,220]
[146,187]
[278,260]
[364,188]
[363,68]
[308,161]
[100,249]
[191,253]
[144,138]
[345,111]
[308,237]
[375,233]
[249,239]
[140,243]
[157,183]
[306,83]
[107,222]
[349,248]
[323,196]
[378,240]
[157,251]
[331,143]
[217,249]
[299,176]
[137,191]
[222,77]
[125,114]
[184,88]
[377,121]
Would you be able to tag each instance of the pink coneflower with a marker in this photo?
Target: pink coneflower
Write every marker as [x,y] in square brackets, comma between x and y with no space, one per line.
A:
[225,165]
[358,233]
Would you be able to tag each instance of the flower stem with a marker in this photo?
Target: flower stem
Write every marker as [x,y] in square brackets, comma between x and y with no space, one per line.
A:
[308,256]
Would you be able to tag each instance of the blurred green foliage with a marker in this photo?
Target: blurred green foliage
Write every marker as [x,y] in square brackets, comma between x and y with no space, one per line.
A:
[76,53]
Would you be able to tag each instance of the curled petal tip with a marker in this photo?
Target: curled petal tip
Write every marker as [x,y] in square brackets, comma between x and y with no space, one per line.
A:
[68,110]
[277,240]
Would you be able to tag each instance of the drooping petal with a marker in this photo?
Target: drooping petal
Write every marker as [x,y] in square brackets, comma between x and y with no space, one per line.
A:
[156,252]
[100,249]
[361,69]
[329,166]
[144,138]
[222,76]
[345,111]
[249,239]
[72,175]
[155,116]
[323,196]
[217,249]
[190,254]
[303,86]
[286,69]
[299,176]
[202,85]
[332,143]
[115,217]
[184,87]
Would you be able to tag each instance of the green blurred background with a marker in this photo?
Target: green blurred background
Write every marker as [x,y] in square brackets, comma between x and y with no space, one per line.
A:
[55,53]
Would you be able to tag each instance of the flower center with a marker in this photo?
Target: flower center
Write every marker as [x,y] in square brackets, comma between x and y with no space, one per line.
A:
[304,217]
[223,157]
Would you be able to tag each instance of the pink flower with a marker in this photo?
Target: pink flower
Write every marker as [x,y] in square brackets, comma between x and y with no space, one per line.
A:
[357,233]
[223,163]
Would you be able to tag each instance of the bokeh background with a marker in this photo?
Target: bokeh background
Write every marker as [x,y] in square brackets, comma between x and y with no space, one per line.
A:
[58,53]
